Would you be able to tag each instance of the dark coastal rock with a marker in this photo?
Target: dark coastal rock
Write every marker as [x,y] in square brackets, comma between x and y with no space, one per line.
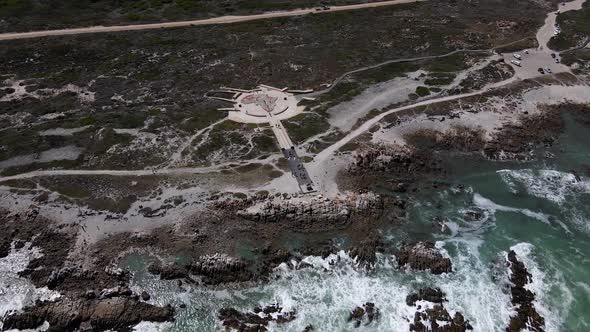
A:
[440,224]
[527,317]
[427,319]
[218,268]
[423,256]
[473,215]
[367,314]
[434,295]
[169,272]
[257,320]
[366,252]
[67,314]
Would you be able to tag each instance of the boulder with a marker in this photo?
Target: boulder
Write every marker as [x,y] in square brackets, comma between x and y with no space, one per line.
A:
[434,318]
[367,314]
[423,256]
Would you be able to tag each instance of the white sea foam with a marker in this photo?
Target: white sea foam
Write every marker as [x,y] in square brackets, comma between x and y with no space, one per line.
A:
[324,294]
[541,285]
[552,185]
[324,291]
[489,205]
[16,292]
[152,327]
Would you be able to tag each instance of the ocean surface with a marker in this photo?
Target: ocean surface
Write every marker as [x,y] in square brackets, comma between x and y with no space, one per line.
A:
[538,209]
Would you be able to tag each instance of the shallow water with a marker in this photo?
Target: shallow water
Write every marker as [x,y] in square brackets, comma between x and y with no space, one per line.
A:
[538,209]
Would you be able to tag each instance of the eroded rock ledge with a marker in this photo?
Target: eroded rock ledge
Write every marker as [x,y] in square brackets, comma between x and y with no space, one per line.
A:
[432,316]
[118,311]
[213,270]
[527,317]
[423,256]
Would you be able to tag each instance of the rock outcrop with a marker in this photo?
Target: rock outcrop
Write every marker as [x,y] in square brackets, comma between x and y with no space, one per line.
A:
[434,317]
[257,320]
[434,295]
[397,161]
[213,270]
[527,317]
[317,209]
[169,272]
[423,256]
[366,252]
[364,315]
[88,314]
[219,268]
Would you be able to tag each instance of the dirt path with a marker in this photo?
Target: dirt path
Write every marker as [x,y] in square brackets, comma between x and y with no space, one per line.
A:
[209,21]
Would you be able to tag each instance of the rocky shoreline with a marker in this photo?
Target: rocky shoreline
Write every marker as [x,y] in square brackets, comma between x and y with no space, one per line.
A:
[523,299]
[97,293]
[111,310]
[432,316]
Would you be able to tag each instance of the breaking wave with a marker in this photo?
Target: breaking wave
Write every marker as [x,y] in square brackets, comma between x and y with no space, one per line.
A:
[17,292]
[551,185]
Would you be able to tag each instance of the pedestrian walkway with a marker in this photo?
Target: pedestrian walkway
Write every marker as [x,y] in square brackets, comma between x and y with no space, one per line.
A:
[267,104]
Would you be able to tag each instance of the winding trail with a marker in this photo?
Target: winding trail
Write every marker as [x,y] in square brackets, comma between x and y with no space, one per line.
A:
[384,63]
[329,151]
[209,21]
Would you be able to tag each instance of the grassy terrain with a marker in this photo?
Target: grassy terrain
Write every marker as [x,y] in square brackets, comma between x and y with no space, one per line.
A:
[158,79]
[581,57]
[575,28]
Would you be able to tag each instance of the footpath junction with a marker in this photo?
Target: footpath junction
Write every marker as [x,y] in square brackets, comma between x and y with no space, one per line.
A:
[268,105]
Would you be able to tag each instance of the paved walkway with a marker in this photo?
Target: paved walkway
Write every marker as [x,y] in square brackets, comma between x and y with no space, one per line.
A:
[209,21]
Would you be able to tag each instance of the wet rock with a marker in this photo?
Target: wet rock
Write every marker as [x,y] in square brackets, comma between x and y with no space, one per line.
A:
[434,295]
[527,317]
[473,215]
[423,256]
[365,252]
[367,314]
[434,317]
[440,224]
[67,314]
[257,320]
[169,272]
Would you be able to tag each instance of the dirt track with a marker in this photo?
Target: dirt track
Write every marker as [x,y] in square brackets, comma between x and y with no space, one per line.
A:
[209,21]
